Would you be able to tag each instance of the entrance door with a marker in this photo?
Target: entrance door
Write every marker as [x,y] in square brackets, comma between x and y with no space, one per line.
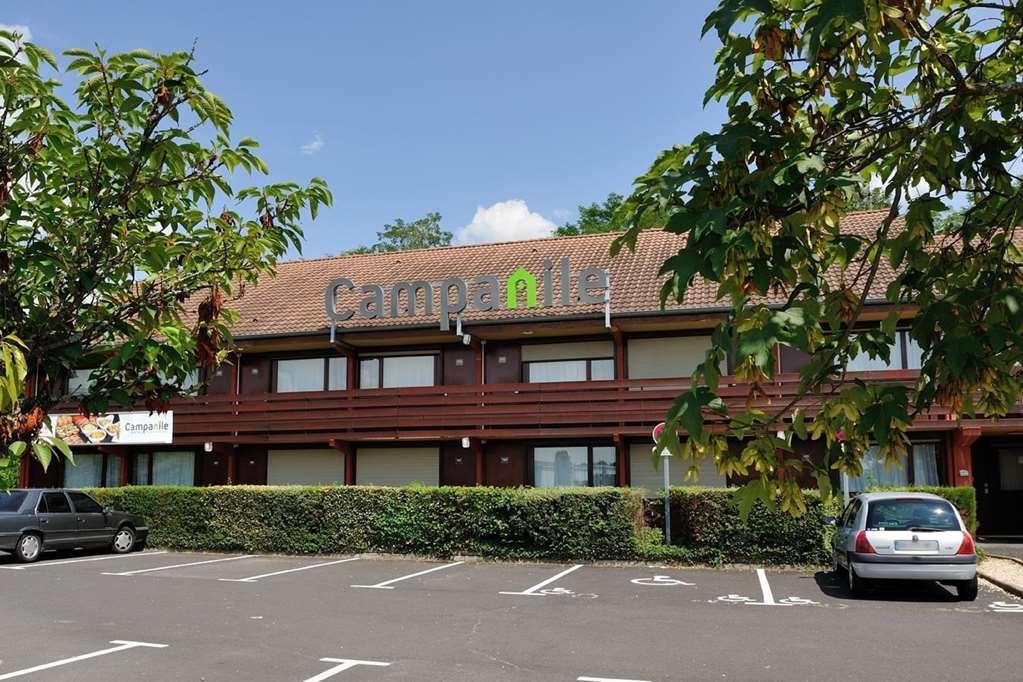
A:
[998,478]
[457,465]
[213,468]
[505,464]
[250,467]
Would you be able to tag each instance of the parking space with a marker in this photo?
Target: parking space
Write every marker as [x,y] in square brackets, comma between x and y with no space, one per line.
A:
[164,616]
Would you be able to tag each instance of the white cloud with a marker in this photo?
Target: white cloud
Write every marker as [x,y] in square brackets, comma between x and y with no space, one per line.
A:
[26,34]
[505,221]
[315,146]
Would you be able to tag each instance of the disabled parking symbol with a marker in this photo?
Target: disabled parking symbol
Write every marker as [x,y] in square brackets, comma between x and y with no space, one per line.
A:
[660,581]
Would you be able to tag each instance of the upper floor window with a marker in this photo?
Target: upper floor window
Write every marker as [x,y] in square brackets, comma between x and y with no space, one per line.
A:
[312,374]
[904,354]
[552,371]
[398,371]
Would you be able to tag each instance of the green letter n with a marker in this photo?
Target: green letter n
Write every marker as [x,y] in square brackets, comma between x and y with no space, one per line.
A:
[521,276]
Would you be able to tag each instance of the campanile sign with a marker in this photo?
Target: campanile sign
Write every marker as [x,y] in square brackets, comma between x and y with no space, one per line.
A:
[552,287]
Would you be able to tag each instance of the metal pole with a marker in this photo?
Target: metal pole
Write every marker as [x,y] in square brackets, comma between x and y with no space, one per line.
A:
[665,457]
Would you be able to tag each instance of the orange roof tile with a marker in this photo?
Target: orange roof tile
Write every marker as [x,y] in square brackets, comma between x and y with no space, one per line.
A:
[292,302]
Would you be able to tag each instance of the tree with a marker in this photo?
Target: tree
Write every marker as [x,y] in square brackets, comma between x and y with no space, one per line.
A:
[423,233]
[867,198]
[595,218]
[112,254]
[821,97]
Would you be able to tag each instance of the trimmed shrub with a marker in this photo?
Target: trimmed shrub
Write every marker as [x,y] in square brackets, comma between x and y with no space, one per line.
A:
[706,528]
[964,498]
[572,523]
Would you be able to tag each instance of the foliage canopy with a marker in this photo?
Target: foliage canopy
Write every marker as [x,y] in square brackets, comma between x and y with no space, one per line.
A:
[822,97]
[113,253]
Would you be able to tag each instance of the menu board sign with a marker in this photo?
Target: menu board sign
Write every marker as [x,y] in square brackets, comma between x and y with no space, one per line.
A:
[114,428]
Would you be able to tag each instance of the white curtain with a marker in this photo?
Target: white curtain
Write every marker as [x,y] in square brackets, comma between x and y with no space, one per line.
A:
[925,464]
[337,374]
[557,370]
[875,473]
[412,370]
[865,363]
[173,468]
[299,375]
[86,472]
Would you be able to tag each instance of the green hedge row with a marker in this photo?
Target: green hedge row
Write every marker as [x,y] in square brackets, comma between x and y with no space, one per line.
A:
[707,528]
[513,523]
[576,523]
[964,499]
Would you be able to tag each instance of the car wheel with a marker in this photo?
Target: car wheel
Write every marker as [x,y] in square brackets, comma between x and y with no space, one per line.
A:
[856,584]
[967,589]
[28,549]
[124,540]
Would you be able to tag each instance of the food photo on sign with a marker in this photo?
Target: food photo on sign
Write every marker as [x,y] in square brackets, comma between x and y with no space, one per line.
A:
[79,429]
[136,428]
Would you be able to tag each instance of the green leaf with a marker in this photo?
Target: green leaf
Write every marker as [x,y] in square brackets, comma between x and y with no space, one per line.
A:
[43,453]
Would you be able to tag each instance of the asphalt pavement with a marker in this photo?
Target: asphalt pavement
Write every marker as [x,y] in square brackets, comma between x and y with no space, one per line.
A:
[188,616]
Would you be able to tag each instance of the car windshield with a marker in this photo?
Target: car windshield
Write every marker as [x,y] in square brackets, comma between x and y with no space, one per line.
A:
[911,514]
[11,502]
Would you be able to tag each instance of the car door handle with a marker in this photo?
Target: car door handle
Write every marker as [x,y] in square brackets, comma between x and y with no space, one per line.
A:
[44,521]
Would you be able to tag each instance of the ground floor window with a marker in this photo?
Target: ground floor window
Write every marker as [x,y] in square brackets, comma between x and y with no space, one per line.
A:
[86,472]
[919,468]
[164,468]
[574,465]
[93,470]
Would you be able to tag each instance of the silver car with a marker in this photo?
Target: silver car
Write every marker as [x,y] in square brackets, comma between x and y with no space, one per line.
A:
[904,536]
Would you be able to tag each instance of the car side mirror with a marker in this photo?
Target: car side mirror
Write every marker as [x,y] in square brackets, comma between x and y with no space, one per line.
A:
[107,510]
[830,520]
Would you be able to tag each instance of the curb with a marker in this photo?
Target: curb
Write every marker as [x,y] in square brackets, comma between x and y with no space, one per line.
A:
[1007,558]
[1011,589]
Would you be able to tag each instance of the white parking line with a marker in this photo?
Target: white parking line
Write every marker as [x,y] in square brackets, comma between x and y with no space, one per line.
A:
[61,562]
[385,585]
[534,590]
[254,578]
[765,588]
[193,563]
[346,663]
[122,645]
[607,679]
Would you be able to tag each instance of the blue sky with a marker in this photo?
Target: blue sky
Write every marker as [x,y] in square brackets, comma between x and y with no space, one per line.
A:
[502,117]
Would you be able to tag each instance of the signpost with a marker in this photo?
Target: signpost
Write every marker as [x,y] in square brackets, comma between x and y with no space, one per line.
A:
[665,456]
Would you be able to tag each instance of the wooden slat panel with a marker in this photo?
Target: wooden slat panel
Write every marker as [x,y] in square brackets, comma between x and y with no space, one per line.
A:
[510,411]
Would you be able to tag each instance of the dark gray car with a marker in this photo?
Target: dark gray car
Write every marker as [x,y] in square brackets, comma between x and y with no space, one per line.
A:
[34,520]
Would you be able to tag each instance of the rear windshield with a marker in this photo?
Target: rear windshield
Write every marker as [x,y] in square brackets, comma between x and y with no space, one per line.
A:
[11,502]
[911,514]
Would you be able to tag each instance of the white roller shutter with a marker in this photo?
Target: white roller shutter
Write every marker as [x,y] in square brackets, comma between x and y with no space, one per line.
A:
[305,467]
[644,475]
[397,466]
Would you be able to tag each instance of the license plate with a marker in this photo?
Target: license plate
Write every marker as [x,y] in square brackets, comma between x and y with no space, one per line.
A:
[918,546]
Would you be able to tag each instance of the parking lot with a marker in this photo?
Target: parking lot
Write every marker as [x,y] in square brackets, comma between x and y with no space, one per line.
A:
[189,616]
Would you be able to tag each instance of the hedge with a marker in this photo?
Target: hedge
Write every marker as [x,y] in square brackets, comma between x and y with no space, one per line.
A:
[964,498]
[707,528]
[572,523]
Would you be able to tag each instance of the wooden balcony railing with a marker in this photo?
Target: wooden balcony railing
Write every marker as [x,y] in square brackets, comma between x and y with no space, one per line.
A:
[575,409]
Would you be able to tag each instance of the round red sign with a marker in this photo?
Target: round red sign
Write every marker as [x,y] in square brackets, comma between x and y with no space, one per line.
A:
[658,430]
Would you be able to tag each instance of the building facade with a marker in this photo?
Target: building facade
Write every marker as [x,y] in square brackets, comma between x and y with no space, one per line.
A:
[537,363]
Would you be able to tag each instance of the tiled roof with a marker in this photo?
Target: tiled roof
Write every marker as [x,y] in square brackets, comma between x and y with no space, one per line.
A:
[292,302]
